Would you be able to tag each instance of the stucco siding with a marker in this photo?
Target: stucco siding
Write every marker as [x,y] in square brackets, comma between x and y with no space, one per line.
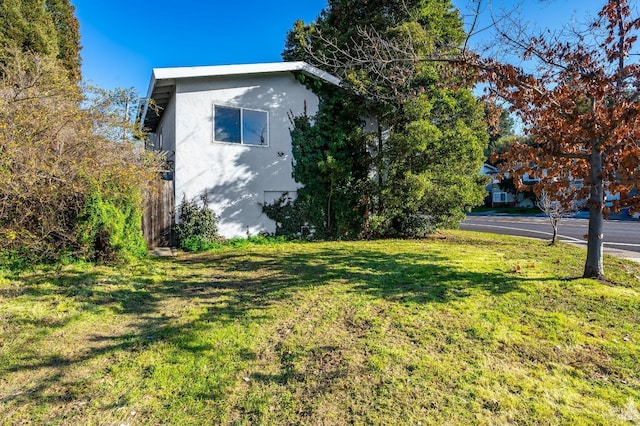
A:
[234,176]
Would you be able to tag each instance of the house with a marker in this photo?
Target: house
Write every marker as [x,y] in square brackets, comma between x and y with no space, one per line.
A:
[499,197]
[224,131]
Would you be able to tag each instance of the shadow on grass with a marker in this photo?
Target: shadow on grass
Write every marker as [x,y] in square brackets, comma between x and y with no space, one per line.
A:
[226,288]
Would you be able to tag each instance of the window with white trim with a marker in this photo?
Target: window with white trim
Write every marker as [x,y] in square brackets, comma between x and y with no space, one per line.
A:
[240,125]
[500,197]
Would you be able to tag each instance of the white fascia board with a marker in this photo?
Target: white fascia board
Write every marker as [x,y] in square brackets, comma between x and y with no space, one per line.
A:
[243,69]
[152,85]
[164,76]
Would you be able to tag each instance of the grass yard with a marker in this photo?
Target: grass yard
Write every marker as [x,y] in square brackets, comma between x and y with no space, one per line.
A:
[462,328]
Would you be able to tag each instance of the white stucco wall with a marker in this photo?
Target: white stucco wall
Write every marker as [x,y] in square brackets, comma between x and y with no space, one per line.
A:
[236,177]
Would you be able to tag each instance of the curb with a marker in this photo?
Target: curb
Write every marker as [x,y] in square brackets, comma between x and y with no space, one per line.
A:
[622,254]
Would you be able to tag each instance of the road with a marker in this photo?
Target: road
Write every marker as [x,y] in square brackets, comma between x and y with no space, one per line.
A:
[618,234]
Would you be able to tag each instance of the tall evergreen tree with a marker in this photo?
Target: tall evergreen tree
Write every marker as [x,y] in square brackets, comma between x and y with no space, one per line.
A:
[68,33]
[43,27]
[431,134]
[332,162]
[28,26]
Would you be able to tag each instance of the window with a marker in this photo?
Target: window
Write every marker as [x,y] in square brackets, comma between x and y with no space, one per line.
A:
[500,197]
[240,125]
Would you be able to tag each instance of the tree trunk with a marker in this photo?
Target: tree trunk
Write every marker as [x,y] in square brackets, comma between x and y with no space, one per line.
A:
[593,267]
[329,212]
[379,161]
[555,233]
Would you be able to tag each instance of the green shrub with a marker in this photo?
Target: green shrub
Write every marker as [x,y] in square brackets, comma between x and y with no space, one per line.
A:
[291,217]
[403,225]
[109,228]
[197,244]
[197,229]
[67,191]
[14,260]
[414,225]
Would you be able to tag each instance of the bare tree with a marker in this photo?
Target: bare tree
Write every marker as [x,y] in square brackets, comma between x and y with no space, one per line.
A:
[556,208]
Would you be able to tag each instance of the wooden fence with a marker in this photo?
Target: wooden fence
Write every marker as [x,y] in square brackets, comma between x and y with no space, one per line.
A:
[159,216]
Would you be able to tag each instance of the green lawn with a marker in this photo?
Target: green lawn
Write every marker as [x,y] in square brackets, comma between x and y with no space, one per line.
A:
[462,328]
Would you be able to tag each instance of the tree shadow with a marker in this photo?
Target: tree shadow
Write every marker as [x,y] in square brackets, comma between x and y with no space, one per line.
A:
[227,288]
[427,278]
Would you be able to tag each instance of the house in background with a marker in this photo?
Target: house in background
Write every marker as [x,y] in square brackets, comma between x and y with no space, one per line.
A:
[499,197]
[225,132]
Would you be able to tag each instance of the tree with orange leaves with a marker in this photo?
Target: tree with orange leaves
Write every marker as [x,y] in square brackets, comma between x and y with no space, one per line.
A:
[581,106]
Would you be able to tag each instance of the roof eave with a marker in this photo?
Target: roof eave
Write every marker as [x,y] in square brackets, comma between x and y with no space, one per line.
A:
[168,76]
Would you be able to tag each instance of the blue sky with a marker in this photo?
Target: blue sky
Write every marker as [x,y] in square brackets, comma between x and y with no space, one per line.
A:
[123,40]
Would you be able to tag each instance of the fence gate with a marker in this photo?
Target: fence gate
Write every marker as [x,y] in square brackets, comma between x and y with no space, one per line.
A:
[159,216]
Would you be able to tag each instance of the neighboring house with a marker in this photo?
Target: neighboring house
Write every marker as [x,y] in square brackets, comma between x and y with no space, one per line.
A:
[225,132]
[498,197]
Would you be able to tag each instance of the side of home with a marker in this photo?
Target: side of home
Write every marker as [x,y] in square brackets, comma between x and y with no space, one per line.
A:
[225,133]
